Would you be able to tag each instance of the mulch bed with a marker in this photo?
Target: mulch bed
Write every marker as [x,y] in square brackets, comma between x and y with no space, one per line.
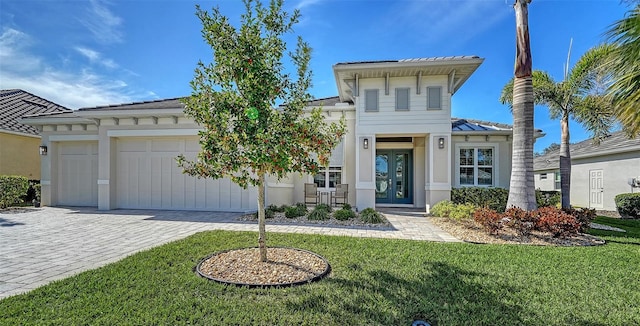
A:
[284,267]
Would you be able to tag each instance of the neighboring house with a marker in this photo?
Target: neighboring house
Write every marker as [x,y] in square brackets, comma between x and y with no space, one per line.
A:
[598,172]
[402,147]
[19,142]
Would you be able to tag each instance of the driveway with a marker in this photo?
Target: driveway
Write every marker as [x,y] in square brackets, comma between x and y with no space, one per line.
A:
[41,245]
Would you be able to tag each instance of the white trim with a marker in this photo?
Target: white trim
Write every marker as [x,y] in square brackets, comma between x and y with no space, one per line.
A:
[437,186]
[17,133]
[431,154]
[152,132]
[496,162]
[73,138]
[45,182]
[103,181]
[279,185]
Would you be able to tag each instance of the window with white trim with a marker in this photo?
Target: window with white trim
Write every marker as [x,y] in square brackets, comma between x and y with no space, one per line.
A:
[476,166]
[327,178]
[371,100]
[557,184]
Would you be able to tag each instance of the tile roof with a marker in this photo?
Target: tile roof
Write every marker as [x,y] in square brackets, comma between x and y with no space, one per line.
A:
[618,141]
[16,103]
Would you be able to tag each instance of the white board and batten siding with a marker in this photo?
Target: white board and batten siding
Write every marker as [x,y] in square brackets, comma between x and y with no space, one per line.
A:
[412,120]
[148,177]
[77,173]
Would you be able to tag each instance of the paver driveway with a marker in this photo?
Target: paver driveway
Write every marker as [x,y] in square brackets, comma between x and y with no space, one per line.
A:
[38,246]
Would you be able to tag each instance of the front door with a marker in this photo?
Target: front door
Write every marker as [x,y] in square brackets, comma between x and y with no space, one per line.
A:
[394,175]
[596,189]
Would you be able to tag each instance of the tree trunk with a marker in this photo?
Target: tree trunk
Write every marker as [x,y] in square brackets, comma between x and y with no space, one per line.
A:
[262,233]
[522,188]
[565,162]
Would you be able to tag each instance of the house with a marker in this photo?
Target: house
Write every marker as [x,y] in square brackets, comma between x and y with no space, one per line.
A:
[598,172]
[402,147]
[19,142]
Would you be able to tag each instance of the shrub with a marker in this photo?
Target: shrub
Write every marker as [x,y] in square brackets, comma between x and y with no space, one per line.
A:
[346,206]
[12,189]
[442,208]
[520,220]
[584,216]
[369,215]
[318,214]
[547,198]
[277,209]
[556,221]
[295,211]
[268,213]
[324,207]
[628,205]
[344,214]
[493,198]
[489,219]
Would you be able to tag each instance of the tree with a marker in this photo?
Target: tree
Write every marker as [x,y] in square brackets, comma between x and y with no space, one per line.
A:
[581,96]
[625,64]
[233,98]
[521,186]
[549,149]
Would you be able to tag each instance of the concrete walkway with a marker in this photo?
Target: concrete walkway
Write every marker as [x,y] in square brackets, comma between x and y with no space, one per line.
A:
[41,245]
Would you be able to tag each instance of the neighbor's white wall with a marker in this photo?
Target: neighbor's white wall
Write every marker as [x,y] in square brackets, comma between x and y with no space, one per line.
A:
[616,168]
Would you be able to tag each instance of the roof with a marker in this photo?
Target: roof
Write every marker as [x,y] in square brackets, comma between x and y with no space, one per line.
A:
[16,103]
[478,125]
[618,142]
[457,68]
[171,103]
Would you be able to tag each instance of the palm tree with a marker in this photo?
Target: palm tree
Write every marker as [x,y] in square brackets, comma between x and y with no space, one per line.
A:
[625,64]
[581,96]
[521,187]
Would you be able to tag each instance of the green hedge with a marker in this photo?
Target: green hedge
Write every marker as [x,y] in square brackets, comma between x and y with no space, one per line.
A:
[12,189]
[496,198]
[628,205]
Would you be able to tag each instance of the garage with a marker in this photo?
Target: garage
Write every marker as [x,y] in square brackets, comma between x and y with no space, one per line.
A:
[148,177]
[77,173]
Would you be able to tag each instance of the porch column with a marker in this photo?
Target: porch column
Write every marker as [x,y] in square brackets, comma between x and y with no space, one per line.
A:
[439,167]
[365,171]
[106,170]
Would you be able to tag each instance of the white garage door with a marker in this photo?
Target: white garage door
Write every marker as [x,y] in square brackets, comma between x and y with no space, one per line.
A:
[77,174]
[148,177]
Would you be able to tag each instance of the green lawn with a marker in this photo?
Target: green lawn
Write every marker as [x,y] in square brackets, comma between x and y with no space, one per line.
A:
[373,282]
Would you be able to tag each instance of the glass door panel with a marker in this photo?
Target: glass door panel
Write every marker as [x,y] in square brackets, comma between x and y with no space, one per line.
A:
[382,178]
[394,175]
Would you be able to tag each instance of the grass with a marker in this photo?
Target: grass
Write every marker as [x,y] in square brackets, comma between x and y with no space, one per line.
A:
[374,281]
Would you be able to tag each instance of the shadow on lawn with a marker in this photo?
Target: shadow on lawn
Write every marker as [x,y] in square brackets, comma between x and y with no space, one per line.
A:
[5,222]
[439,294]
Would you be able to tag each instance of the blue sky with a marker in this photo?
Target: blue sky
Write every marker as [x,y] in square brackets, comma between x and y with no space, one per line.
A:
[90,53]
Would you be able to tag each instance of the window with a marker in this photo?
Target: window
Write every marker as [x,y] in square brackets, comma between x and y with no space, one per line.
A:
[543,176]
[557,181]
[434,98]
[371,100]
[476,166]
[328,178]
[402,99]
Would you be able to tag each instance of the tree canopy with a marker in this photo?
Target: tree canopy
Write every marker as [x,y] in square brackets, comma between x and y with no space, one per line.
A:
[246,133]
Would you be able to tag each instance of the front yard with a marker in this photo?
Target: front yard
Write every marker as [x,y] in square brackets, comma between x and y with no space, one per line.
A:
[373,281]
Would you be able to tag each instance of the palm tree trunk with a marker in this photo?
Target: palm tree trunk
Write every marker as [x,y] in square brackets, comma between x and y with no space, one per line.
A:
[522,188]
[262,233]
[565,162]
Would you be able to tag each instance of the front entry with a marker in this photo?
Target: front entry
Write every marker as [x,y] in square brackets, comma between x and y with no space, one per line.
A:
[394,176]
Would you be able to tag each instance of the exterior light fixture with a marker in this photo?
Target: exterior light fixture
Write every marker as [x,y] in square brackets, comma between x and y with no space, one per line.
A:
[441,143]
[365,143]
[43,150]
